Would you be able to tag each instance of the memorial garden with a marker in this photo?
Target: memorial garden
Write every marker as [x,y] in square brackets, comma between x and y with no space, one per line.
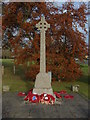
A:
[49,65]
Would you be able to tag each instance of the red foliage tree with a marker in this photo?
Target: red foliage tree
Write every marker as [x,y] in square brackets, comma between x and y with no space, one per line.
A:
[64,41]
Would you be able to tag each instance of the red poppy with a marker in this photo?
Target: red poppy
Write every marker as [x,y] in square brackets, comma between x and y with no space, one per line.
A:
[42,95]
[63,92]
[71,96]
[30,90]
[26,98]
[21,94]
[68,97]
[52,98]
[57,95]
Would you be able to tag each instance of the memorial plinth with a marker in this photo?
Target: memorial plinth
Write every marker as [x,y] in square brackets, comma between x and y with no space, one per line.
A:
[43,82]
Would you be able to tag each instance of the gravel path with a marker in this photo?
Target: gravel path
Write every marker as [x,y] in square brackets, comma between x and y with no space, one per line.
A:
[14,107]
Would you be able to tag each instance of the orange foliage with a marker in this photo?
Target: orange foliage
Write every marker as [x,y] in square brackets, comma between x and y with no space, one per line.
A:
[64,42]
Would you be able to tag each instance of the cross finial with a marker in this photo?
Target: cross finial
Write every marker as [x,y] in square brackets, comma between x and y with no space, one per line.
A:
[43,25]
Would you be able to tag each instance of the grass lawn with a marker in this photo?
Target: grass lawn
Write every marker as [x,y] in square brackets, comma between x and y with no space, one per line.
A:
[19,83]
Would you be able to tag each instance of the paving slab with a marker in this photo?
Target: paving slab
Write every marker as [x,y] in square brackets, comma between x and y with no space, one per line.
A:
[14,106]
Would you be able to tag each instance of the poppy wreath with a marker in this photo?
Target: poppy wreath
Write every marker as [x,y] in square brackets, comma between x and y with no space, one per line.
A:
[30,90]
[47,98]
[52,99]
[44,98]
[28,97]
[34,98]
[57,95]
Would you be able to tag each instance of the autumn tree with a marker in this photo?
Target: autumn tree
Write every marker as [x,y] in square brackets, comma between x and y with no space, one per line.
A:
[64,41]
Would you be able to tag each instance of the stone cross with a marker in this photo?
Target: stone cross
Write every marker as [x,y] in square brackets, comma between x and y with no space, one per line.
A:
[43,79]
[42,26]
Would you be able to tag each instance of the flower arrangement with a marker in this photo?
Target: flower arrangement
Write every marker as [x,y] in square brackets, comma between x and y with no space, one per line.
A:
[44,98]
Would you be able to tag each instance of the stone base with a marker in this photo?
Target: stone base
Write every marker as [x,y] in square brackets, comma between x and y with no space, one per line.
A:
[40,91]
[43,84]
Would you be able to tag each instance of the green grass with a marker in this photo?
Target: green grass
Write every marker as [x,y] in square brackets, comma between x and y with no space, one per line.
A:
[83,82]
[18,81]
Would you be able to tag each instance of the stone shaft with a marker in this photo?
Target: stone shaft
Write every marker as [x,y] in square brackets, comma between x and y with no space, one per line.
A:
[42,26]
[42,53]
